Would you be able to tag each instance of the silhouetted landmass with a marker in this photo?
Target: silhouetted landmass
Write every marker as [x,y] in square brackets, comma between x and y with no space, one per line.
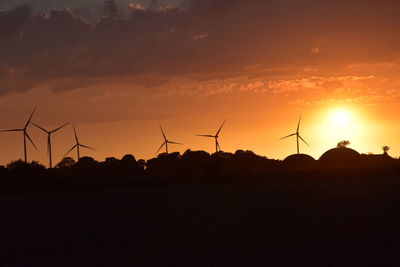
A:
[341,157]
[198,209]
[191,167]
[299,161]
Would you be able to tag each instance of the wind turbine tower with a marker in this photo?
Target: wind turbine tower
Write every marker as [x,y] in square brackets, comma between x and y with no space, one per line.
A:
[25,134]
[217,147]
[166,142]
[49,133]
[297,134]
[77,145]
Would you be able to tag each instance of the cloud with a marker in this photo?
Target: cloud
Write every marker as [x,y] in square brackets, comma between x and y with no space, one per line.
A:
[136,6]
[202,40]
[12,22]
[322,84]
[110,8]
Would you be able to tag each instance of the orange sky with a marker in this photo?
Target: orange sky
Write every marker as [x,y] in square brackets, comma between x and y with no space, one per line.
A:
[259,65]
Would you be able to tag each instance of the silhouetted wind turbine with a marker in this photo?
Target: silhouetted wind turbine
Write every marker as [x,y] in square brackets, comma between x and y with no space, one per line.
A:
[25,133]
[49,133]
[217,147]
[77,145]
[166,142]
[297,134]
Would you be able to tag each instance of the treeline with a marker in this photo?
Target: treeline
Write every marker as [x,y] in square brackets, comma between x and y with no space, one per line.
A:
[190,163]
[197,164]
[189,167]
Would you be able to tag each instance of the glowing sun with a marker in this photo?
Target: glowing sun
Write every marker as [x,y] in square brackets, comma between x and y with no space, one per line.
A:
[341,117]
[339,124]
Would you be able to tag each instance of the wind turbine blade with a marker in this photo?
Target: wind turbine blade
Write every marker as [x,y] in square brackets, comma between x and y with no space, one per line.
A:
[219,148]
[220,128]
[287,136]
[298,124]
[62,126]
[175,143]
[72,148]
[303,140]
[76,136]
[30,117]
[12,130]
[161,147]
[87,147]
[206,135]
[41,128]
[27,135]
[165,138]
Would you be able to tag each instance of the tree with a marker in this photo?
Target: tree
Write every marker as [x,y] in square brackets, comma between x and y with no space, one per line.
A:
[65,163]
[111,160]
[142,164]
[128,159]
[343,144]
[385,149]
[86,162]
[22,166]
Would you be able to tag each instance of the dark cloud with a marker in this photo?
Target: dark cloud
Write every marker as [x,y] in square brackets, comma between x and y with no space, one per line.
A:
[12,22]
[153,5]
[200,38]
[110,8]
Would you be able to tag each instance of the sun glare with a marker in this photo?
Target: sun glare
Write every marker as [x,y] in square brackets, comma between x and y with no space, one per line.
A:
[339,124]
[340,117]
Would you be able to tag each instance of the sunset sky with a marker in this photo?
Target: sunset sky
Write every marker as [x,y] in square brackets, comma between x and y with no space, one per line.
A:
[117,71]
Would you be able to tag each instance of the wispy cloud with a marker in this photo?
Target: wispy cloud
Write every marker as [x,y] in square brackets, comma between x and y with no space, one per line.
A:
[323,84]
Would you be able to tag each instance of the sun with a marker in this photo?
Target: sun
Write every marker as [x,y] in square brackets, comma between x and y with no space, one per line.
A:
[340,123]
[340,117]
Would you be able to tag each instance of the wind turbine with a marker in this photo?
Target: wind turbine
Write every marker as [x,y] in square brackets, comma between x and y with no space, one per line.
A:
[217,147]
[49,133]
[25,133]
[297,134]
[166,142]
[77,145]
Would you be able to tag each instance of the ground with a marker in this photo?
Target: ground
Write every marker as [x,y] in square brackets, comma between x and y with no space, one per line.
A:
[279,222]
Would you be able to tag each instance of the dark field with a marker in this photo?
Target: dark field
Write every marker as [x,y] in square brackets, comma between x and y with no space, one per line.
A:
[288,222]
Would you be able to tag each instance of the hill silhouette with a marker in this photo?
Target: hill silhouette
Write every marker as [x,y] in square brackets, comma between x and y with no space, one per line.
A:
[190,167]
[341,157]
[299,161]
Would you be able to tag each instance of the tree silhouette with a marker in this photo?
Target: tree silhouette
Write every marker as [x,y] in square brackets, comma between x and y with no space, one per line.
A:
[128,160]
[22,166]
[385,149]
[86,162]
[66,162]
[142,164]
[343,143]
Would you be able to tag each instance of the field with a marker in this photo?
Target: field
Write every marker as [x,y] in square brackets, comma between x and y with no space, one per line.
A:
[281,222]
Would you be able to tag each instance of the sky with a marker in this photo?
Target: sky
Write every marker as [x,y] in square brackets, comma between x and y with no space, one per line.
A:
[118,69]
